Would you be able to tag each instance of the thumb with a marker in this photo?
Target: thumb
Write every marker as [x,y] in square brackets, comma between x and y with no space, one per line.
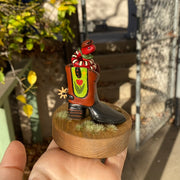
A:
[13,162]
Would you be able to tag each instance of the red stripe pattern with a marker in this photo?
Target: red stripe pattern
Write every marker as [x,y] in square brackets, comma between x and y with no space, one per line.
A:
[78,61]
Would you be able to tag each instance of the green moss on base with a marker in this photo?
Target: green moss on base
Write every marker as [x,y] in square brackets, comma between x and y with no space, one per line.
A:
[63,115]
[92,127]
[111,127]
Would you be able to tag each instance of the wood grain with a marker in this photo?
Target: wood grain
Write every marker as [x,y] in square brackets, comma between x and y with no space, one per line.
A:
[92,145]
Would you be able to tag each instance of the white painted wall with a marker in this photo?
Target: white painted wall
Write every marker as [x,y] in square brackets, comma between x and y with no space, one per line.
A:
[113,13]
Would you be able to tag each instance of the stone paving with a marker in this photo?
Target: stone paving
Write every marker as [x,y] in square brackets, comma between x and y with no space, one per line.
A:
[157,159]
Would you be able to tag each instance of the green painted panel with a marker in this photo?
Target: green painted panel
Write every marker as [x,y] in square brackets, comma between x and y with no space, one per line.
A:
[9,120]
[80,85]
[5,138]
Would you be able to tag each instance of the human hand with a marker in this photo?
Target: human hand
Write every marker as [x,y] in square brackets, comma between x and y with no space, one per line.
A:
[13,162]
[56,164]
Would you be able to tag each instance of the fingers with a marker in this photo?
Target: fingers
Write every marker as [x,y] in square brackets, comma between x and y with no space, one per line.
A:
[15,156]
[116,163]
[13,162]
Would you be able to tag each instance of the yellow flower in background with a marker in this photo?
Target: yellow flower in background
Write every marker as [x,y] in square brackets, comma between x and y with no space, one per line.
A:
[32,78]
[28,110]
[52,1]
[63,8]
[21,98]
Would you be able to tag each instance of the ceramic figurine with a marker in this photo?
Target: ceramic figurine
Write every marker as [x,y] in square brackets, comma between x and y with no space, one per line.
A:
[82,77]
[101,133]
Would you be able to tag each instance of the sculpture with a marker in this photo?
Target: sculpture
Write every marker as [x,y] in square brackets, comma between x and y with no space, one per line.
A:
[82,77]
[68,131]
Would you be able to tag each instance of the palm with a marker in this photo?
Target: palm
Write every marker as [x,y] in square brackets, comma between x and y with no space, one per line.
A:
[56,164]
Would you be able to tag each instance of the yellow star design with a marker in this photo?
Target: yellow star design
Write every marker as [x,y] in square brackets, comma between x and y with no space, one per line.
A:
[63,93]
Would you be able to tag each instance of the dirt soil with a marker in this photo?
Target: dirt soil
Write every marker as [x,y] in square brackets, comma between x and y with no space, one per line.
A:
[34,151]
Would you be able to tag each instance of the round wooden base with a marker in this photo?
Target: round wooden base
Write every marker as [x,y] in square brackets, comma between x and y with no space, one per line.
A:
[92,144]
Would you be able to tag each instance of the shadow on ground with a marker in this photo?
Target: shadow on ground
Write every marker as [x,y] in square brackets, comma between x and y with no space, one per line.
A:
[150,161]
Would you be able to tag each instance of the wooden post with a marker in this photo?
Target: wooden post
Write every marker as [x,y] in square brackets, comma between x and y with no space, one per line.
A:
[69,47]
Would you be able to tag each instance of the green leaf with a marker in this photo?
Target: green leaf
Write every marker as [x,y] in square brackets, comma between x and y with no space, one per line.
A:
[10,26]
[61,14]
[29,44]
[72,9]
[11,31]
[18,39]
[16,23]
[63,8]
[42,33]
[56,29]
[54,37]
[2,77]
[12,21]
[14,46]
[74,1]
[31,20]
[42,47]
[25,14]
[18,17]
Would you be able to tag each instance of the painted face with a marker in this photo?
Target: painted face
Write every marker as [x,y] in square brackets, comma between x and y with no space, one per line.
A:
[88,49]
